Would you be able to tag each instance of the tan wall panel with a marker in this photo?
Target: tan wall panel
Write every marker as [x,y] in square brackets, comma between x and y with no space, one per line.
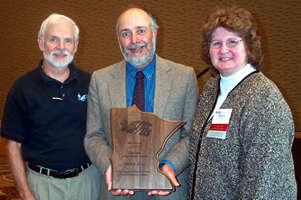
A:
[178,36]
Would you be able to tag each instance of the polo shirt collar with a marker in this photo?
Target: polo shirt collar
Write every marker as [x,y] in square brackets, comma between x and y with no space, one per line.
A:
[73,74]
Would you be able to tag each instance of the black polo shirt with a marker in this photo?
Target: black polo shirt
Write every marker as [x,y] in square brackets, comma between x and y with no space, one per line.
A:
[48,118]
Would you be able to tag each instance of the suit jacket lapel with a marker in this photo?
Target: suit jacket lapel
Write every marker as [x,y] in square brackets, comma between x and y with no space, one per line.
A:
[163,86]
[117,90]
[117,86]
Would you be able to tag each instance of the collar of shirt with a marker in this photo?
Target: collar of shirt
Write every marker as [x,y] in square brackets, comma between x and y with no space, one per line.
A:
[229,82]
[148,70]
[73,74]
[149,84]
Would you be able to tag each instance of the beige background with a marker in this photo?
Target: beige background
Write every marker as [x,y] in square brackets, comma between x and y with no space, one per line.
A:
[178,36]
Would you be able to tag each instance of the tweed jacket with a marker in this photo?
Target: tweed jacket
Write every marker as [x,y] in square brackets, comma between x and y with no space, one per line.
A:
[176,93]
[254,161]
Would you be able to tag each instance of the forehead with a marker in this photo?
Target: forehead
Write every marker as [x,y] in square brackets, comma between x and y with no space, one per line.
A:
[221,32]
[132,19]
[60,27]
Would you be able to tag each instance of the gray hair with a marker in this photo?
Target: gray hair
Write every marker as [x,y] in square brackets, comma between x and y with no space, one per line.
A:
[154,24]
[52,18]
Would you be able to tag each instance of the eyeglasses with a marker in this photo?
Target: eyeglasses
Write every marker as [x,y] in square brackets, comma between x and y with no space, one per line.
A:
[230,43]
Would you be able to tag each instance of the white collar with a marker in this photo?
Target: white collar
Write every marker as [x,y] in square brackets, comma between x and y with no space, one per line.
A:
[229,82]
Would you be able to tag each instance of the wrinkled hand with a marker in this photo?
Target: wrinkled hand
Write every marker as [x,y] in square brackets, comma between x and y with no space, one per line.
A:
[108,177]
[170,174]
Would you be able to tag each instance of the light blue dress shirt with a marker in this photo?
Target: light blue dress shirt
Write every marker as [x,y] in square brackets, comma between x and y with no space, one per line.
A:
[149,84]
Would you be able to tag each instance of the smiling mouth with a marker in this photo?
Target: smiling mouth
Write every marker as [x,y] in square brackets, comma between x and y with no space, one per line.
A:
[60,55]
[137,48]
[225,59]
[136,51]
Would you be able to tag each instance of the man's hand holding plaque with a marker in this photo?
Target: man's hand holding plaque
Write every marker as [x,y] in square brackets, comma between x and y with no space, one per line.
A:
[108,177]
[166,170]
[137,140]
[169,173]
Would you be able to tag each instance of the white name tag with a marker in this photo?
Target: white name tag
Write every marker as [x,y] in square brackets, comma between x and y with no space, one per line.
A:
[220,123]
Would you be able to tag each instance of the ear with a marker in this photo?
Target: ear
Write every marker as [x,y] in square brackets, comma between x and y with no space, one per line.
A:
[156,31]
[76,46]
[40,43]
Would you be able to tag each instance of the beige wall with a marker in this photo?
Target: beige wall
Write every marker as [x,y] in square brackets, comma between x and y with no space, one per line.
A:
[178,36]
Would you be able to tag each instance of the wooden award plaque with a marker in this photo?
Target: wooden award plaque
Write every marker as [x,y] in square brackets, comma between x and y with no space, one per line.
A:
[137,139]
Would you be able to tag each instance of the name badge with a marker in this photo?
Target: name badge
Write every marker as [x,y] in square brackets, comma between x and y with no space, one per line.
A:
[220,123]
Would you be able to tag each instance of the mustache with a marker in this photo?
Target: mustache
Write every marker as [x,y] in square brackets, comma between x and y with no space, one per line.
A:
[136,45]
[64,53]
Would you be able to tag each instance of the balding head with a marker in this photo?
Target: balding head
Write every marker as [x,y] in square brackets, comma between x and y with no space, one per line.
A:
[136,32]
[138,11]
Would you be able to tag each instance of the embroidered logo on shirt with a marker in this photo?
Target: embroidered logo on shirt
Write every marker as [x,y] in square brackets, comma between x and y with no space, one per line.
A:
[82,98]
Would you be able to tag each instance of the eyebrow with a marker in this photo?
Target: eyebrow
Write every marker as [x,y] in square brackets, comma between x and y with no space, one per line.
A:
[231,38]
[135,28]
[125,29]
[57,37]
[139,27]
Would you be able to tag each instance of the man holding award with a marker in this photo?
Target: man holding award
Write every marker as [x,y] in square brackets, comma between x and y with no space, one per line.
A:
[155,85]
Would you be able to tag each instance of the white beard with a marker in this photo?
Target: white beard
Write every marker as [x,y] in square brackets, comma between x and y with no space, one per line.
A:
[150,52]
[60,63]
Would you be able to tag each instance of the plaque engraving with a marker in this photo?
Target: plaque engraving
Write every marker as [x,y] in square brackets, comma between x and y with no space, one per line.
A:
[137,139]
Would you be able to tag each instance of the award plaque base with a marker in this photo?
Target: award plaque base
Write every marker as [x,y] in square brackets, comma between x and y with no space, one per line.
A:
[137,139]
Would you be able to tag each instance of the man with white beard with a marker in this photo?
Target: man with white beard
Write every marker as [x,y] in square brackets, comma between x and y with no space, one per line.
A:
[44,121]
[170,91]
